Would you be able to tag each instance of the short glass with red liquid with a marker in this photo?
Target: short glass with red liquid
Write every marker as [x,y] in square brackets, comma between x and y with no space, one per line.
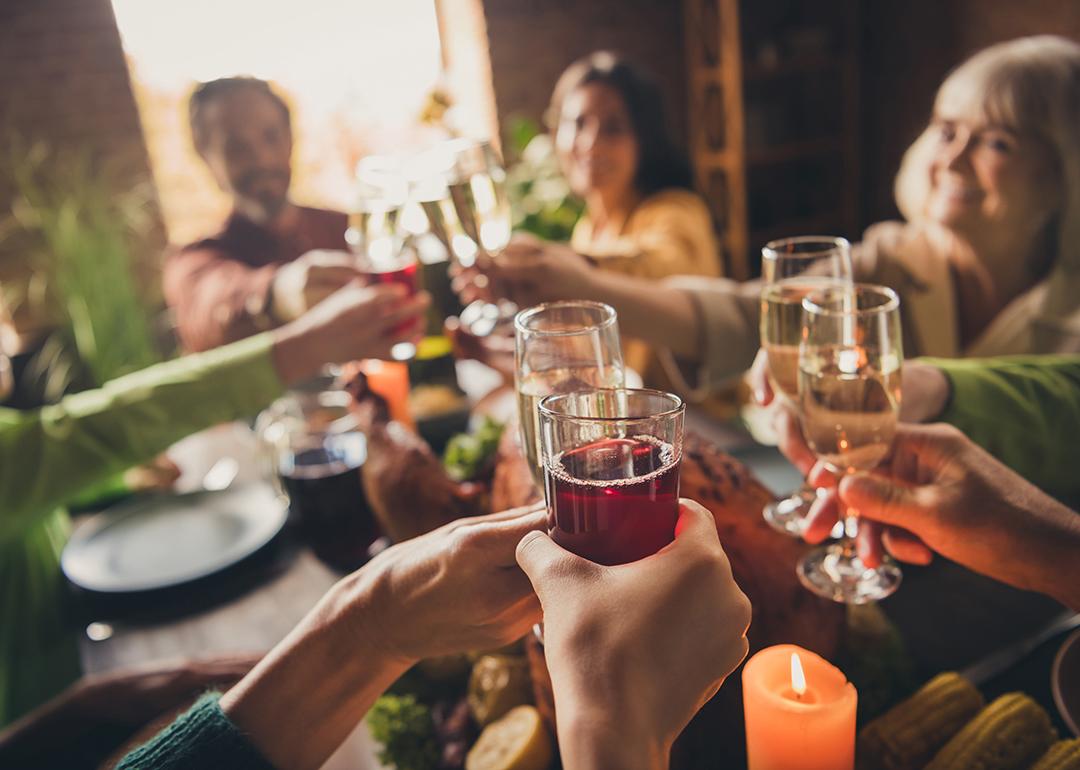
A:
[397,267]
[611,471]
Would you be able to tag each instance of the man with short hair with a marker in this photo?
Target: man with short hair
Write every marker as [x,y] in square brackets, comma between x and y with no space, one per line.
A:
[269,261]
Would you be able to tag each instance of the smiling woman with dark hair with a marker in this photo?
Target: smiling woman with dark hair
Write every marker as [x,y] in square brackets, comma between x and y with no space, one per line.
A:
[641,216]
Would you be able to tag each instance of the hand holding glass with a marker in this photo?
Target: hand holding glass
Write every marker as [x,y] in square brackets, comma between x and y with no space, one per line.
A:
[790,269]
[611,471]
[849,399]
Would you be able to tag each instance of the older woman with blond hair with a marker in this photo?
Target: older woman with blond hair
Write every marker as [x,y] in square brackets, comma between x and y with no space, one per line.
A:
[988,262]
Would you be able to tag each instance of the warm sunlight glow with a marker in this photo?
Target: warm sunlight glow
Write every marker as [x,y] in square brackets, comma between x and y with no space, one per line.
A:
[798,678]
[355,72]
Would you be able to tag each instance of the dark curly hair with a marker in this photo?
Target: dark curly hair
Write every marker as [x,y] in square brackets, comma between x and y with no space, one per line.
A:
[207,92]
[660,163]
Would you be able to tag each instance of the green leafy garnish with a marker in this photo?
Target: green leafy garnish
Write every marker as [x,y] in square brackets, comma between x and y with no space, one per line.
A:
[406,731]
[467,454]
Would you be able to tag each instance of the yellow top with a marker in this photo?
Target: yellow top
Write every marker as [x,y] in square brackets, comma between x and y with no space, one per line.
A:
[669,233]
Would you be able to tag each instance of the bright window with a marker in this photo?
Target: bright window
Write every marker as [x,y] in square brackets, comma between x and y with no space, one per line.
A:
[356,74]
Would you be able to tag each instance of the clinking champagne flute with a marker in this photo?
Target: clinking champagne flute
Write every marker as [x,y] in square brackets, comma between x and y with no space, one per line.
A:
[561,347]
[790,269]
[375,233]
[849,400]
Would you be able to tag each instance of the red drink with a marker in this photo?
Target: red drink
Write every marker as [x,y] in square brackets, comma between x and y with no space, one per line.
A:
[616,500]
[402,276]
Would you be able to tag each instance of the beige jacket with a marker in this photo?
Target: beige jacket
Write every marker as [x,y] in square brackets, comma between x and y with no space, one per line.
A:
[892,254]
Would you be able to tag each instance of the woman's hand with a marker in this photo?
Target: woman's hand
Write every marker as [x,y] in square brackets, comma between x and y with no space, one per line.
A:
[454,589]
[635,650]
[529,271]
[354,322]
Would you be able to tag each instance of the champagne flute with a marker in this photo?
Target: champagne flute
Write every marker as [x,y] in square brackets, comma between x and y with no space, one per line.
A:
[849,400]
[561,347]
[375,232]
[477,191]
[380,192]
[790,269]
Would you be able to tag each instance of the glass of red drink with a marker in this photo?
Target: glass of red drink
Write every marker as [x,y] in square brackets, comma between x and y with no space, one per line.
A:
[611,471]
[397,267]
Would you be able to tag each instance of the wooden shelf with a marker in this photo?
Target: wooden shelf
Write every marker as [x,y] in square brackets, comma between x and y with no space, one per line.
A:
[813,224]
[798,66]
[785,153]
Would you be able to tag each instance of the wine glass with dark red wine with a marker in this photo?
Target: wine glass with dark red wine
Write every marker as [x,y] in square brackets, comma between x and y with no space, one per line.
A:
[790,269]
[611,471]
[314,452]
[849,401]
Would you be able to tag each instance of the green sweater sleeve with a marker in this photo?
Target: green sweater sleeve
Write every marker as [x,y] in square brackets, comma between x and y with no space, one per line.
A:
[1025,410]
[48,456]
[199,738]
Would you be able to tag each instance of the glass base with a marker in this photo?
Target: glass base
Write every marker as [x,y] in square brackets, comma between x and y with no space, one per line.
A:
[484,318]
[835,574]
[403,351]
[789,515]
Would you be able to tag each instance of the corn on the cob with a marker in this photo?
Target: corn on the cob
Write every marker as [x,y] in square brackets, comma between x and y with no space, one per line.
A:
[1009,734]
[908,735]
[1063,755]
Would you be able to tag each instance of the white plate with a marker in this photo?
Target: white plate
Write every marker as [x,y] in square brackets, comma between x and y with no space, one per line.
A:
[169,540]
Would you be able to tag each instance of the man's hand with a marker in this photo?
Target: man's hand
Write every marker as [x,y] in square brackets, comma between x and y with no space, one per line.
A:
[635,650]
[308,280]
[354,322]
[926,389]
[940,493]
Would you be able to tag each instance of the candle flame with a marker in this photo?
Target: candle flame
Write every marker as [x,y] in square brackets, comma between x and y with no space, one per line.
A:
[798,678]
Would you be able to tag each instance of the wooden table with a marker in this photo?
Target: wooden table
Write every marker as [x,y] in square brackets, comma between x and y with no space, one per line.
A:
[947,616]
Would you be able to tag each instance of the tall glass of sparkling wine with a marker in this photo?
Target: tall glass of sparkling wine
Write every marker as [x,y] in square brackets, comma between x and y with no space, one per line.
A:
[561,347]
[790,269]
[611,469]
[849,399]
[478,195]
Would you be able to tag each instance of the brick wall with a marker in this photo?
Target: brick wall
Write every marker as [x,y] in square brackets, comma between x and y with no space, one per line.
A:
[64,80]
[532,41]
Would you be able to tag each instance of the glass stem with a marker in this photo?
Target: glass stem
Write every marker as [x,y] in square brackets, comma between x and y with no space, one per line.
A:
[851,528]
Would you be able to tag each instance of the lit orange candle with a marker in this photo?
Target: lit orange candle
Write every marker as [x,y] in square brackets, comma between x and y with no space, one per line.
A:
[390,379]
[800,712]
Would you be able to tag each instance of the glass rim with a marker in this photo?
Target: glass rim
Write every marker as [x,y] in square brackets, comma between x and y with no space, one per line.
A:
[543,406]
[610,317]
[891,303]
[773,249]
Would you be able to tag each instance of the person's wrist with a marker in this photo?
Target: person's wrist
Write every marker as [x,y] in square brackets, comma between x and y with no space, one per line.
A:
[295,357]
[306,695]
[594,735]
[601,711]
[376,613]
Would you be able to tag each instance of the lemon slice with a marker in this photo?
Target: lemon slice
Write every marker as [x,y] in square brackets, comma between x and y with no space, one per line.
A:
[518,741]
[498,683]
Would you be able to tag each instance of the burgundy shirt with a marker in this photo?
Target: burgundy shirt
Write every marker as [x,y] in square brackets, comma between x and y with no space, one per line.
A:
[219,287]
